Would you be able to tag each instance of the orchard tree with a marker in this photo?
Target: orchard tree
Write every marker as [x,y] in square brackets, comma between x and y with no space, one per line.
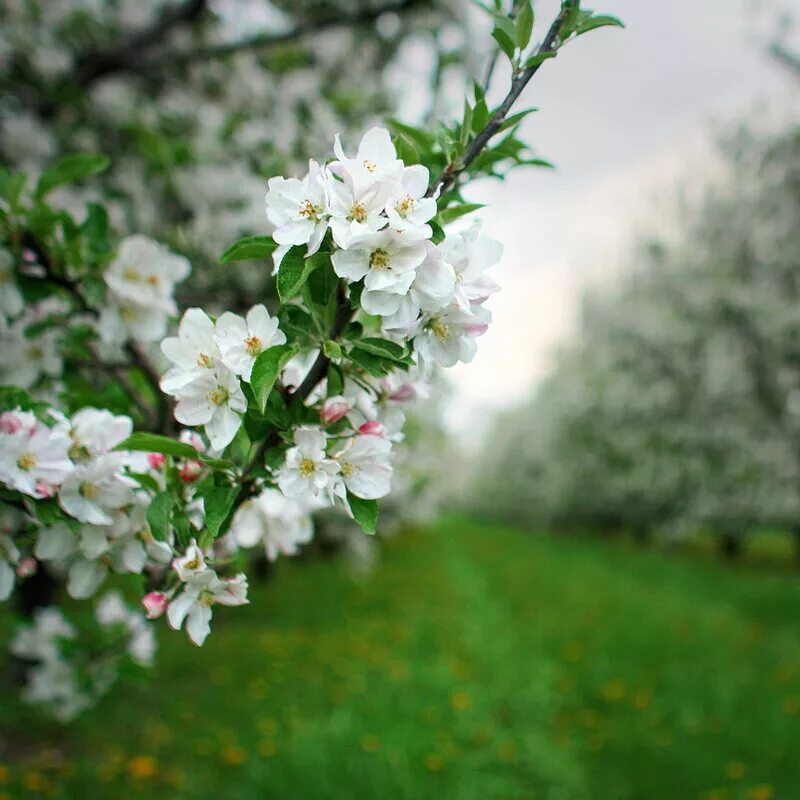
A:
[676,408]
[154,484]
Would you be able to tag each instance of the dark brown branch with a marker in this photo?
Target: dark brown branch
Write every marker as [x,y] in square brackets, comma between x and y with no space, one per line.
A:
[550,44]
[131,52]
[265,40]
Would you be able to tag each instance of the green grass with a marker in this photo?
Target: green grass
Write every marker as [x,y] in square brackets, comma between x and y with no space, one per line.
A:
[475,663]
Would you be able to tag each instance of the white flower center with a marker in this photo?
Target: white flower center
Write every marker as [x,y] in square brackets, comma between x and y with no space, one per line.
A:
[440,330]
[347,469]
[369,166]
[88,490]
[358,213]
[253,345]
[309,210]
[218,396]
[27,461]
[405,206]
[205,360]
[307,467]
[379,259]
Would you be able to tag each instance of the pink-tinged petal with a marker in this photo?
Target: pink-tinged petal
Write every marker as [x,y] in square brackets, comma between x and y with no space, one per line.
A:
[156,460]
[155,604]
[372,428]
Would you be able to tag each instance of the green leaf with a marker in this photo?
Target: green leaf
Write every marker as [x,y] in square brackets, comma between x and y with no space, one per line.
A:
[466,124]
[259,247]
[538,58]
[156,443]
[335,380]
[365,512]
[505,42]
[454,212]
[332,349]
[383,348]
[218,505]
[600,21]
[405,149]
[267,368]
[369,362]
[71,168]
[158,514]
[524,25]
[294,271]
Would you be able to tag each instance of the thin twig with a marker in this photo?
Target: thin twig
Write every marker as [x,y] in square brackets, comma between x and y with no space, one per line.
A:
[550,44]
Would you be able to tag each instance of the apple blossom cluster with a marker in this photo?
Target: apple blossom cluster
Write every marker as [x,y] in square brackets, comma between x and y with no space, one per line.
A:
[66,684]
[379,216]
[141,281]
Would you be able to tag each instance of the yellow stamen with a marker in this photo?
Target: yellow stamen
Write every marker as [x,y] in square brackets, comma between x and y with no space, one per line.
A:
[88,490]
[358,213]
[379,259]
[204,360]
[306,467]
[219,396]
[27,461]
[369,166]
[440,330]
[405,205]
[309,210]
[253,345]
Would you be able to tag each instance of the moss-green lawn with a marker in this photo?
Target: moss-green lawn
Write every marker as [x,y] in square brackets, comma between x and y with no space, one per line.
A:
[475,662]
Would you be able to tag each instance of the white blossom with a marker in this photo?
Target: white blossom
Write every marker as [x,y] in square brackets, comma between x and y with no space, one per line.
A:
[447,337]
[242,340]
[144,272]
[213,398]
[365,467]
[307,471]
[93,491]
[193,351]
[34,460]
[281,523]
[200,593]
[387,262]
[298,208]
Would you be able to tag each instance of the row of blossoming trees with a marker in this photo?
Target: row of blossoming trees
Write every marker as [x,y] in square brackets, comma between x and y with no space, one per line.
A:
[677,407]
[280,414]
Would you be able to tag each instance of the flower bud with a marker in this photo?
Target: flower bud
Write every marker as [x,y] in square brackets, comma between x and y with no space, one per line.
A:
[333,409]
[190,470]
[155,603]
[10,422]
[45,490]
[403,393]
[156,460]
[27,567]
[372,428]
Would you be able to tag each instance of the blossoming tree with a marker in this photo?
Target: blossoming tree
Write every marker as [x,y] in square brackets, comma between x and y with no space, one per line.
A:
[112,467]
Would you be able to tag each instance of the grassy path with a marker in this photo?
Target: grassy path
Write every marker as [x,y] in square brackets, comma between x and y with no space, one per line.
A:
[475,663]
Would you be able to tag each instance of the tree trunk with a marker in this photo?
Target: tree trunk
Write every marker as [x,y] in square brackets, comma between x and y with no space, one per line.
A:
[795,532]
[730,545]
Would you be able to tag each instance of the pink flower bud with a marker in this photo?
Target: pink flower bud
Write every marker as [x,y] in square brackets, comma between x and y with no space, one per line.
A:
[193,438]
[190,471]
[405,392]
[10,422]
[372,428]
[27,567]
[45,490]
[29,256]
[333,409]
[156,460]
[155,603]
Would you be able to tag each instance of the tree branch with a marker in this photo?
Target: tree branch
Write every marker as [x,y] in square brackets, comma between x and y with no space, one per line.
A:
[128,53]
[264,40]
[550,44]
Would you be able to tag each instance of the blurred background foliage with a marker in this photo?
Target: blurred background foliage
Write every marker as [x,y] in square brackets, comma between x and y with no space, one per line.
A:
[482,661]
[676,407]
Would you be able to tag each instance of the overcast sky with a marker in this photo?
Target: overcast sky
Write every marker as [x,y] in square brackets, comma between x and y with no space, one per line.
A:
[624,114]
